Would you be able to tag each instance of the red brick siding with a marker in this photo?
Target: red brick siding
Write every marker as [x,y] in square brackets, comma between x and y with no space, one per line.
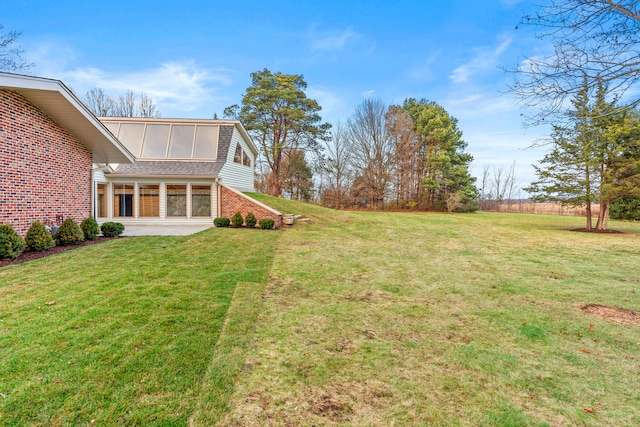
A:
[231,203]
[44,170]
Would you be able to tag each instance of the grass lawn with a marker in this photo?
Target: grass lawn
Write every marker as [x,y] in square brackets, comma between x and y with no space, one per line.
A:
[349,319]
[127,332]
[435,319]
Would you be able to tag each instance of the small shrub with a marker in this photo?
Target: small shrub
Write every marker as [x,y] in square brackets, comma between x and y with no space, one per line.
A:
[38,239]
[69,233]
[222,221]
[267,224]
[250,220]
[237,220]
[90,228]
[112,229]
[11,244]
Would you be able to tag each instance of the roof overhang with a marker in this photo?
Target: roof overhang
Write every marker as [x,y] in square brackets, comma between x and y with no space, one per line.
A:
[122,177]
[62,106]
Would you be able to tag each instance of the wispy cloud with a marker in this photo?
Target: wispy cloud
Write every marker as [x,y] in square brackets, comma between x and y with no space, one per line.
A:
[175,86]
[484,58]
[179,86]
[424,70]
[333,104]
[368,93]
[332,42]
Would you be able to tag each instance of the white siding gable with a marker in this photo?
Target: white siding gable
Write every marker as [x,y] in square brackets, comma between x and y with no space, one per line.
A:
[234,174]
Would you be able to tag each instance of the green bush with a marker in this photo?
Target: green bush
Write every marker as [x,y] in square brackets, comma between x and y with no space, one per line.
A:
[112,229]
[222,221]
[267,224]
[38,239]
[90,228]
[250,220]
[11,244]
[625,208]
[237,220]
[69,233]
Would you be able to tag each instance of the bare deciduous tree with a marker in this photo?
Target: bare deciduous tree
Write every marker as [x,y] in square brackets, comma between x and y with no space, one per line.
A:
[337,167]
[498,186]
[596,40]
[406,165]
[11,54]
[99,102]
[127,105]
[371,150]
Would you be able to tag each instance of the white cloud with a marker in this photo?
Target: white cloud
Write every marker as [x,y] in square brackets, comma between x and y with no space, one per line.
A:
[424,71]
[368,93]
[181,86]
[177,87]
[484,58]
[333,105]
[332,42]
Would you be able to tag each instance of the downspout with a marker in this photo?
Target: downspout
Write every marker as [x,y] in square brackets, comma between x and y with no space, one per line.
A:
[219,197]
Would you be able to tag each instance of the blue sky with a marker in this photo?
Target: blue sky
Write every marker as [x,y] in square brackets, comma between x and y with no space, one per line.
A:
[194,58]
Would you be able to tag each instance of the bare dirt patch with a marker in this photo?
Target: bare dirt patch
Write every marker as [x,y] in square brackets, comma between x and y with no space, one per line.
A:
[30,256]
[614,314]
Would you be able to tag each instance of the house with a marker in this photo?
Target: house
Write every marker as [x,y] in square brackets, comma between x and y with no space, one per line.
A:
[185,172]
[57,160]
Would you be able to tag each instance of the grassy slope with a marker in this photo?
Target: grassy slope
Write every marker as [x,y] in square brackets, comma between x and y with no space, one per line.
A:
[133,332]
[430,319]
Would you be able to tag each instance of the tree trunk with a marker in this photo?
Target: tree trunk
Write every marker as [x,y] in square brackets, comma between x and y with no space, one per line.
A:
[603,216]
[274,185]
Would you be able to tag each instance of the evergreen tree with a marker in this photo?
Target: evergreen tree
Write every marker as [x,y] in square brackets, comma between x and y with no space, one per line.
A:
[277,113]
[446,180]
[595,158]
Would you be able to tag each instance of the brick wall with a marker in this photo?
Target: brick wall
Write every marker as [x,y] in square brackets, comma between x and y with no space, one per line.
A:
[44,170]
[232,202]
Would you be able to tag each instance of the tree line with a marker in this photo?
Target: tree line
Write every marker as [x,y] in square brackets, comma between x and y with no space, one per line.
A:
[408,156]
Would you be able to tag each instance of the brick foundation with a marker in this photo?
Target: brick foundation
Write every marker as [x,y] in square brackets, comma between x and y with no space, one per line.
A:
[44,170]
[232,202]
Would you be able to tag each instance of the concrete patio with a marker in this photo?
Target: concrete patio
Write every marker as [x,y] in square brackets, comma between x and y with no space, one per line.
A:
[163,230]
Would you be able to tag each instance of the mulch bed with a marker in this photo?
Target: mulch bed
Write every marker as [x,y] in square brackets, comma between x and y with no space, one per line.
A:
[30,256]
[614,314]
[593,230]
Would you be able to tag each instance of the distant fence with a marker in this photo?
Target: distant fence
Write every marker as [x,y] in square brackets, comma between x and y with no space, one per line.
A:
[527,206]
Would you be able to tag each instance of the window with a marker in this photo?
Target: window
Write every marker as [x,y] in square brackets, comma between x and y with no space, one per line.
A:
[166,140]
[122,200]
[156,138]
[206,144]
[176,200]
[130,135]
[241,156]
[149,200]
[200,200]
[102,201]
[181,141]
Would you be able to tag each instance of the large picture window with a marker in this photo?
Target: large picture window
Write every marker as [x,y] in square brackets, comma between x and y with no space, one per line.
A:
[149,200]
[200,200]
[123,200]
[176,200]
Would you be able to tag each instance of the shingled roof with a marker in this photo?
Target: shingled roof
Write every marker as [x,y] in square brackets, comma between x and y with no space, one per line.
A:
[148,168]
